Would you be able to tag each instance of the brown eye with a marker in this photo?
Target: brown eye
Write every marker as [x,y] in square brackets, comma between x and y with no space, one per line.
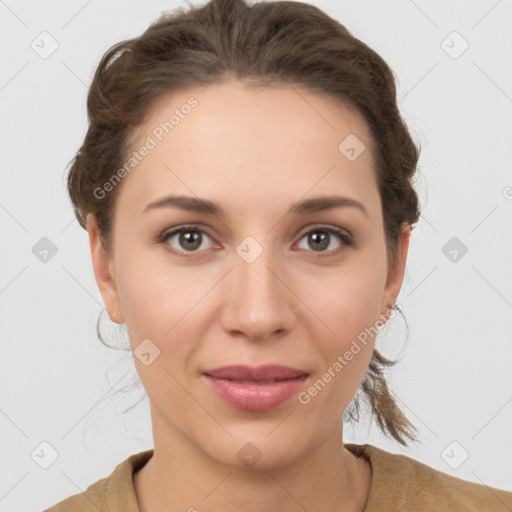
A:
[319,240]
[185,239]
[323,240]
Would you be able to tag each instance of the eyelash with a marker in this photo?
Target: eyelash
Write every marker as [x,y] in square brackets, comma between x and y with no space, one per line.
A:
[342,234]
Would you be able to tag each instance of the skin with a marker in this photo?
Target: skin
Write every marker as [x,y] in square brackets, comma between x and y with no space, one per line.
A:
[255,151]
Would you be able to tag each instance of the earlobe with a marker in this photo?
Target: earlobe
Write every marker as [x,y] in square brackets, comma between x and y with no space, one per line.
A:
[102,266]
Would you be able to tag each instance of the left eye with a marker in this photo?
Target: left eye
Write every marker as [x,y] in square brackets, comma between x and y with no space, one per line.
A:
[321,238]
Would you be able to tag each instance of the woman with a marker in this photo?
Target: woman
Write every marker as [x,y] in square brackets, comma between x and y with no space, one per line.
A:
[246,184]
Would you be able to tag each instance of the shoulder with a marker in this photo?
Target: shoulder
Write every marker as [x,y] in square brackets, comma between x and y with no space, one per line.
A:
[432,488]
[402,483]
[114,492]
[92,499]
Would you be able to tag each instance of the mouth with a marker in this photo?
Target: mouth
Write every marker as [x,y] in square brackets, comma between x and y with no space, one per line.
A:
[256,389]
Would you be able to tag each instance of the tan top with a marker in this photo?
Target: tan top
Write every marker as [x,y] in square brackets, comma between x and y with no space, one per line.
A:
[399,483]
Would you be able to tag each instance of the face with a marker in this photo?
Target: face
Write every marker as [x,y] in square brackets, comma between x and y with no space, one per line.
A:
[260,281]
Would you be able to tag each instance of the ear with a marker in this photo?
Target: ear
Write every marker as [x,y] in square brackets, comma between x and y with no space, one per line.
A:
[102,266]
[396,274]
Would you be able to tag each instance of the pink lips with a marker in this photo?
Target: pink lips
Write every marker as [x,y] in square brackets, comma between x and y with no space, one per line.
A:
[256,389]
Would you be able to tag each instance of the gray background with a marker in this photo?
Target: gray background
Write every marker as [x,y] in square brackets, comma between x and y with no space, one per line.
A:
[454,381]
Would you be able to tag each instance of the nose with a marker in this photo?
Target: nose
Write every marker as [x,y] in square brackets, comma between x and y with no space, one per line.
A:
[258,302]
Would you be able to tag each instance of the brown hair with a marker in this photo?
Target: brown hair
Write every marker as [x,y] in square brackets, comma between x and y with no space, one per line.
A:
[265,43]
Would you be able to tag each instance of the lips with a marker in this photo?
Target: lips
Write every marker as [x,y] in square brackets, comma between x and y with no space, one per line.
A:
[256,389]
[268,373]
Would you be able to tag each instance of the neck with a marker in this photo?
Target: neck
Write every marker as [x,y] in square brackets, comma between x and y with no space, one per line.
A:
[180,477]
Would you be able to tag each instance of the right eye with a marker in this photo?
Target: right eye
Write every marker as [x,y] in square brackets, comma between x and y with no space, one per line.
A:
[186,239]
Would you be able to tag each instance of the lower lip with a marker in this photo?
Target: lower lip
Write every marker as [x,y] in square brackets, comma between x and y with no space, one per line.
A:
[256,397]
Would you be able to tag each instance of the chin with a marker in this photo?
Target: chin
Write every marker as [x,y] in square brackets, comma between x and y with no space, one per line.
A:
[260,451]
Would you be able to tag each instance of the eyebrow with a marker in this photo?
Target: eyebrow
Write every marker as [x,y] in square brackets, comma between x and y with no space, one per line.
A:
[304,206]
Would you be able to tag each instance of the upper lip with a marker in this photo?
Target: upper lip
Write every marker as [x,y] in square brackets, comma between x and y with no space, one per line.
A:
[260,373]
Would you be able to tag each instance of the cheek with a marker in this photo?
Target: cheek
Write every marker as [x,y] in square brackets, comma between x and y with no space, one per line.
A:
[352,320]
[344,358]
[347,303]
[346,300]
[155,296]
[160,303]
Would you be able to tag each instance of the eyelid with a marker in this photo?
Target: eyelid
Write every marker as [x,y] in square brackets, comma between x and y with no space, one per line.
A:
[326,227]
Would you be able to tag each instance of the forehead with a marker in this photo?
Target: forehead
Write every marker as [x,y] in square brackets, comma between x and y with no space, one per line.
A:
[231,138]
[232,106]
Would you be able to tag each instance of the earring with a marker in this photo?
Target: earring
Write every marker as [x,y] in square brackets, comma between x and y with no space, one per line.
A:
[389,309]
